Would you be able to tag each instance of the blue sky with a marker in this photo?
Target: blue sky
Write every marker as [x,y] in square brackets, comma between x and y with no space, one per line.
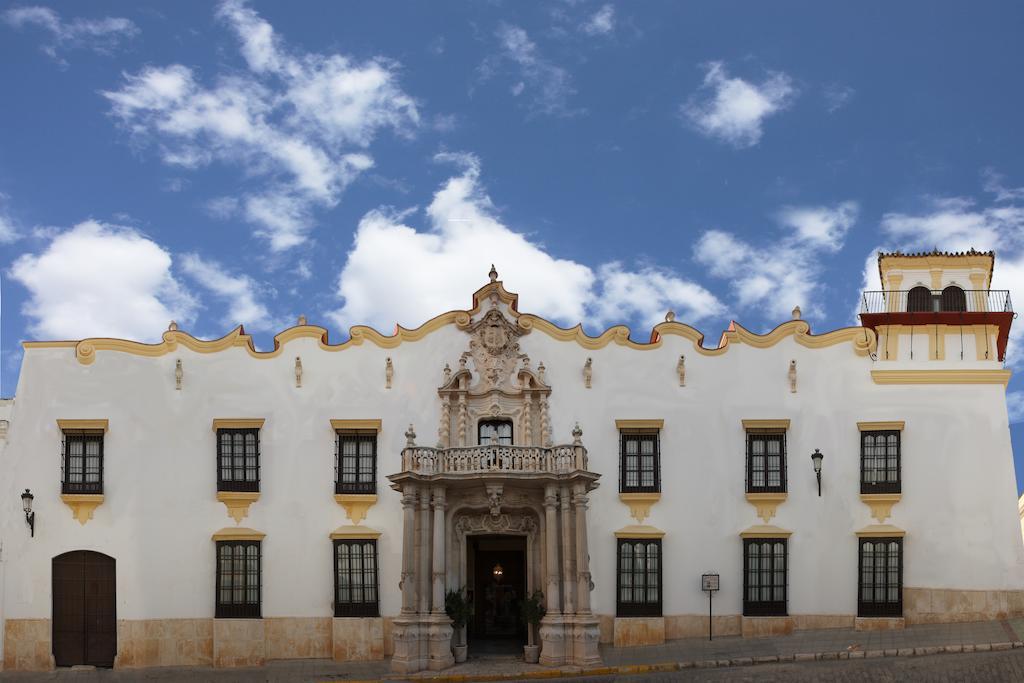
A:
[366,162]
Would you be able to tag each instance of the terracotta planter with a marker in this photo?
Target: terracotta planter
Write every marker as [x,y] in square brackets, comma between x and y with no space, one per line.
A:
[531,653]
[461,652]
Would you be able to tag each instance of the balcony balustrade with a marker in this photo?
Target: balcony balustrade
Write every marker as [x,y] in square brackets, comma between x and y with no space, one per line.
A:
[949,300]
[494,459]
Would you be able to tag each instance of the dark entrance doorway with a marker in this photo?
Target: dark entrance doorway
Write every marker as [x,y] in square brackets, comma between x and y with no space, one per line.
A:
[84,609]
[497,570]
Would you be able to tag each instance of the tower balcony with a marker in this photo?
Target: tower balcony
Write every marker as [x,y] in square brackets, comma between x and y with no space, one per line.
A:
[949,306]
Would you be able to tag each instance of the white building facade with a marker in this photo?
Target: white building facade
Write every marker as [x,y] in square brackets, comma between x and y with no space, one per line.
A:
[203,503]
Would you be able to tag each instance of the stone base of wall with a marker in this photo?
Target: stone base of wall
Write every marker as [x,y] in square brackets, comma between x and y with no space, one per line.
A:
[631,631]
[358,639]
[942,605]
[27,645]
[812,622]
[880,623]
[756,627]
[239,642]
[164,642]
[696,626]
[298,637]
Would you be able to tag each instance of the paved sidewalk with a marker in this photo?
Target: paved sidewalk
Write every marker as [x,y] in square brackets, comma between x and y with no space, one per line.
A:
[674,656]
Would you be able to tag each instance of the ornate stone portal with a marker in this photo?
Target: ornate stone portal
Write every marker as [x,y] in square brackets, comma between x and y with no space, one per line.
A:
[529,488]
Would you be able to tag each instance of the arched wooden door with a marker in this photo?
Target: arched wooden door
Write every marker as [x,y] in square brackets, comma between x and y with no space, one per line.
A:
[84,609]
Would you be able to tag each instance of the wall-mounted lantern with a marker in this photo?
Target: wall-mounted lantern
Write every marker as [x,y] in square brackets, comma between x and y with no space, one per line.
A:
[816,457]
[30,517]
[498,573]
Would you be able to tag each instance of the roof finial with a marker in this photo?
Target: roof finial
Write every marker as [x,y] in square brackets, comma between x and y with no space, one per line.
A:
[670,316]
[796,313]
[173,327]
[302,320]
[493,274]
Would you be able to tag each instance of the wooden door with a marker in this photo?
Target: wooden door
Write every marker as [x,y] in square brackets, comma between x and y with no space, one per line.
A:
[84,609]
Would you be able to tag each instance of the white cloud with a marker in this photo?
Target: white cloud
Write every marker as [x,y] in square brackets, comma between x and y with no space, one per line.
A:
[548,85]
[395,272]
[98,279]
[602,22]
[100,35]
[238,291]
[733,109]
[297,123]
[837,96]
[783,273]
[8,230]
[1015,406]
[993,183]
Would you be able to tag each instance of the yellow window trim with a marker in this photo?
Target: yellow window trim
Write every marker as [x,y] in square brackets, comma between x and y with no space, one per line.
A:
[356,424]
[99,424]
[880,504]
[237,503]
[941,376]
[356,504]
[765,531]
[880,531]
[238,423]
[766,504]
[892,425]
[640,504]
[639,424]
[354,533]
[639,531]
[238,533]
[82,504]
[765,424]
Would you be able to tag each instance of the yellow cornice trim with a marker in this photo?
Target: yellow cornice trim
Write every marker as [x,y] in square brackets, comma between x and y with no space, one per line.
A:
[356,504]
[766,504]
[862,339]
[82,504]
[356,424]
[97,424]
[237,503]
[639,504]
[880,531]
[639,531]
[941,376]
[639,424]
[891,425]
[766,424]
[238,533]
[354,532]
[880,504]
[765,531]
[238,423]
[922,263]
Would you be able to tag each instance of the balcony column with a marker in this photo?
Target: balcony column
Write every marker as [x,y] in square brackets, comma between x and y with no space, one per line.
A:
[423,571]
[568,558]
[439,644]
[580,501]
[408,585]
[552,626]
[979,286]
[896,302]
[438,550]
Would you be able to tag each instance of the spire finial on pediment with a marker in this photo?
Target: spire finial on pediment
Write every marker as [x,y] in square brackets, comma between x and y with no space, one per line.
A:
[493,274]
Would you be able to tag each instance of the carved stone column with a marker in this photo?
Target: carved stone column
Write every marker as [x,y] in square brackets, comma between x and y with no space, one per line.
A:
[406,631]
[568,557]
[440,630]
[423,570]
[585,631]
[552,627]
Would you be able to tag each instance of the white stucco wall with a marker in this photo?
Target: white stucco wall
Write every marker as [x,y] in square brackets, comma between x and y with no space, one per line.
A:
[160,510]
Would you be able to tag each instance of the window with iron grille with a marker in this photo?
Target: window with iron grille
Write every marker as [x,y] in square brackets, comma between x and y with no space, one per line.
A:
[355,578]
[639,461]
[238,459]
[764,577]
[880,587]
[638,586]
[880,461]
[238,580]
[355,467]
[494,433]
[766,461]
[83,462]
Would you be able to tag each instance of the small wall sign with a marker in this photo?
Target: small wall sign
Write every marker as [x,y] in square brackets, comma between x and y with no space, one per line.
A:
[709,582]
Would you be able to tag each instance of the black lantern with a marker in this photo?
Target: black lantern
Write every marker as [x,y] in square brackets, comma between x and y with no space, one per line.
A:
[816,457]
[30,517]
[498,573]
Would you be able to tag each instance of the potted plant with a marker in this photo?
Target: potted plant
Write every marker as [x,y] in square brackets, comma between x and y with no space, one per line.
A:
[459,611]
[532,611]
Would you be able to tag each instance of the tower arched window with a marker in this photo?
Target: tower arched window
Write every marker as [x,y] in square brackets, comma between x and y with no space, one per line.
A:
[919,299]
[954,299]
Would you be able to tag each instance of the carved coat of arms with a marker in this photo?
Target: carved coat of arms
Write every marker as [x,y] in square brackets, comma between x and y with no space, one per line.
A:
[494,348]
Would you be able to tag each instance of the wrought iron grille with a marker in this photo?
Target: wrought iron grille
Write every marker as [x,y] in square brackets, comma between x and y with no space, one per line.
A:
[238,580]
[766,461]
[880,462]
[639,461]
[638,584]
[82,462]
[880,584]
[949,300]
[355,461]
[765,577]
[238,459]
[356,591]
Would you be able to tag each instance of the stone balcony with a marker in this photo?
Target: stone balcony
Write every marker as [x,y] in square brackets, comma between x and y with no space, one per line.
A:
[499,460]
